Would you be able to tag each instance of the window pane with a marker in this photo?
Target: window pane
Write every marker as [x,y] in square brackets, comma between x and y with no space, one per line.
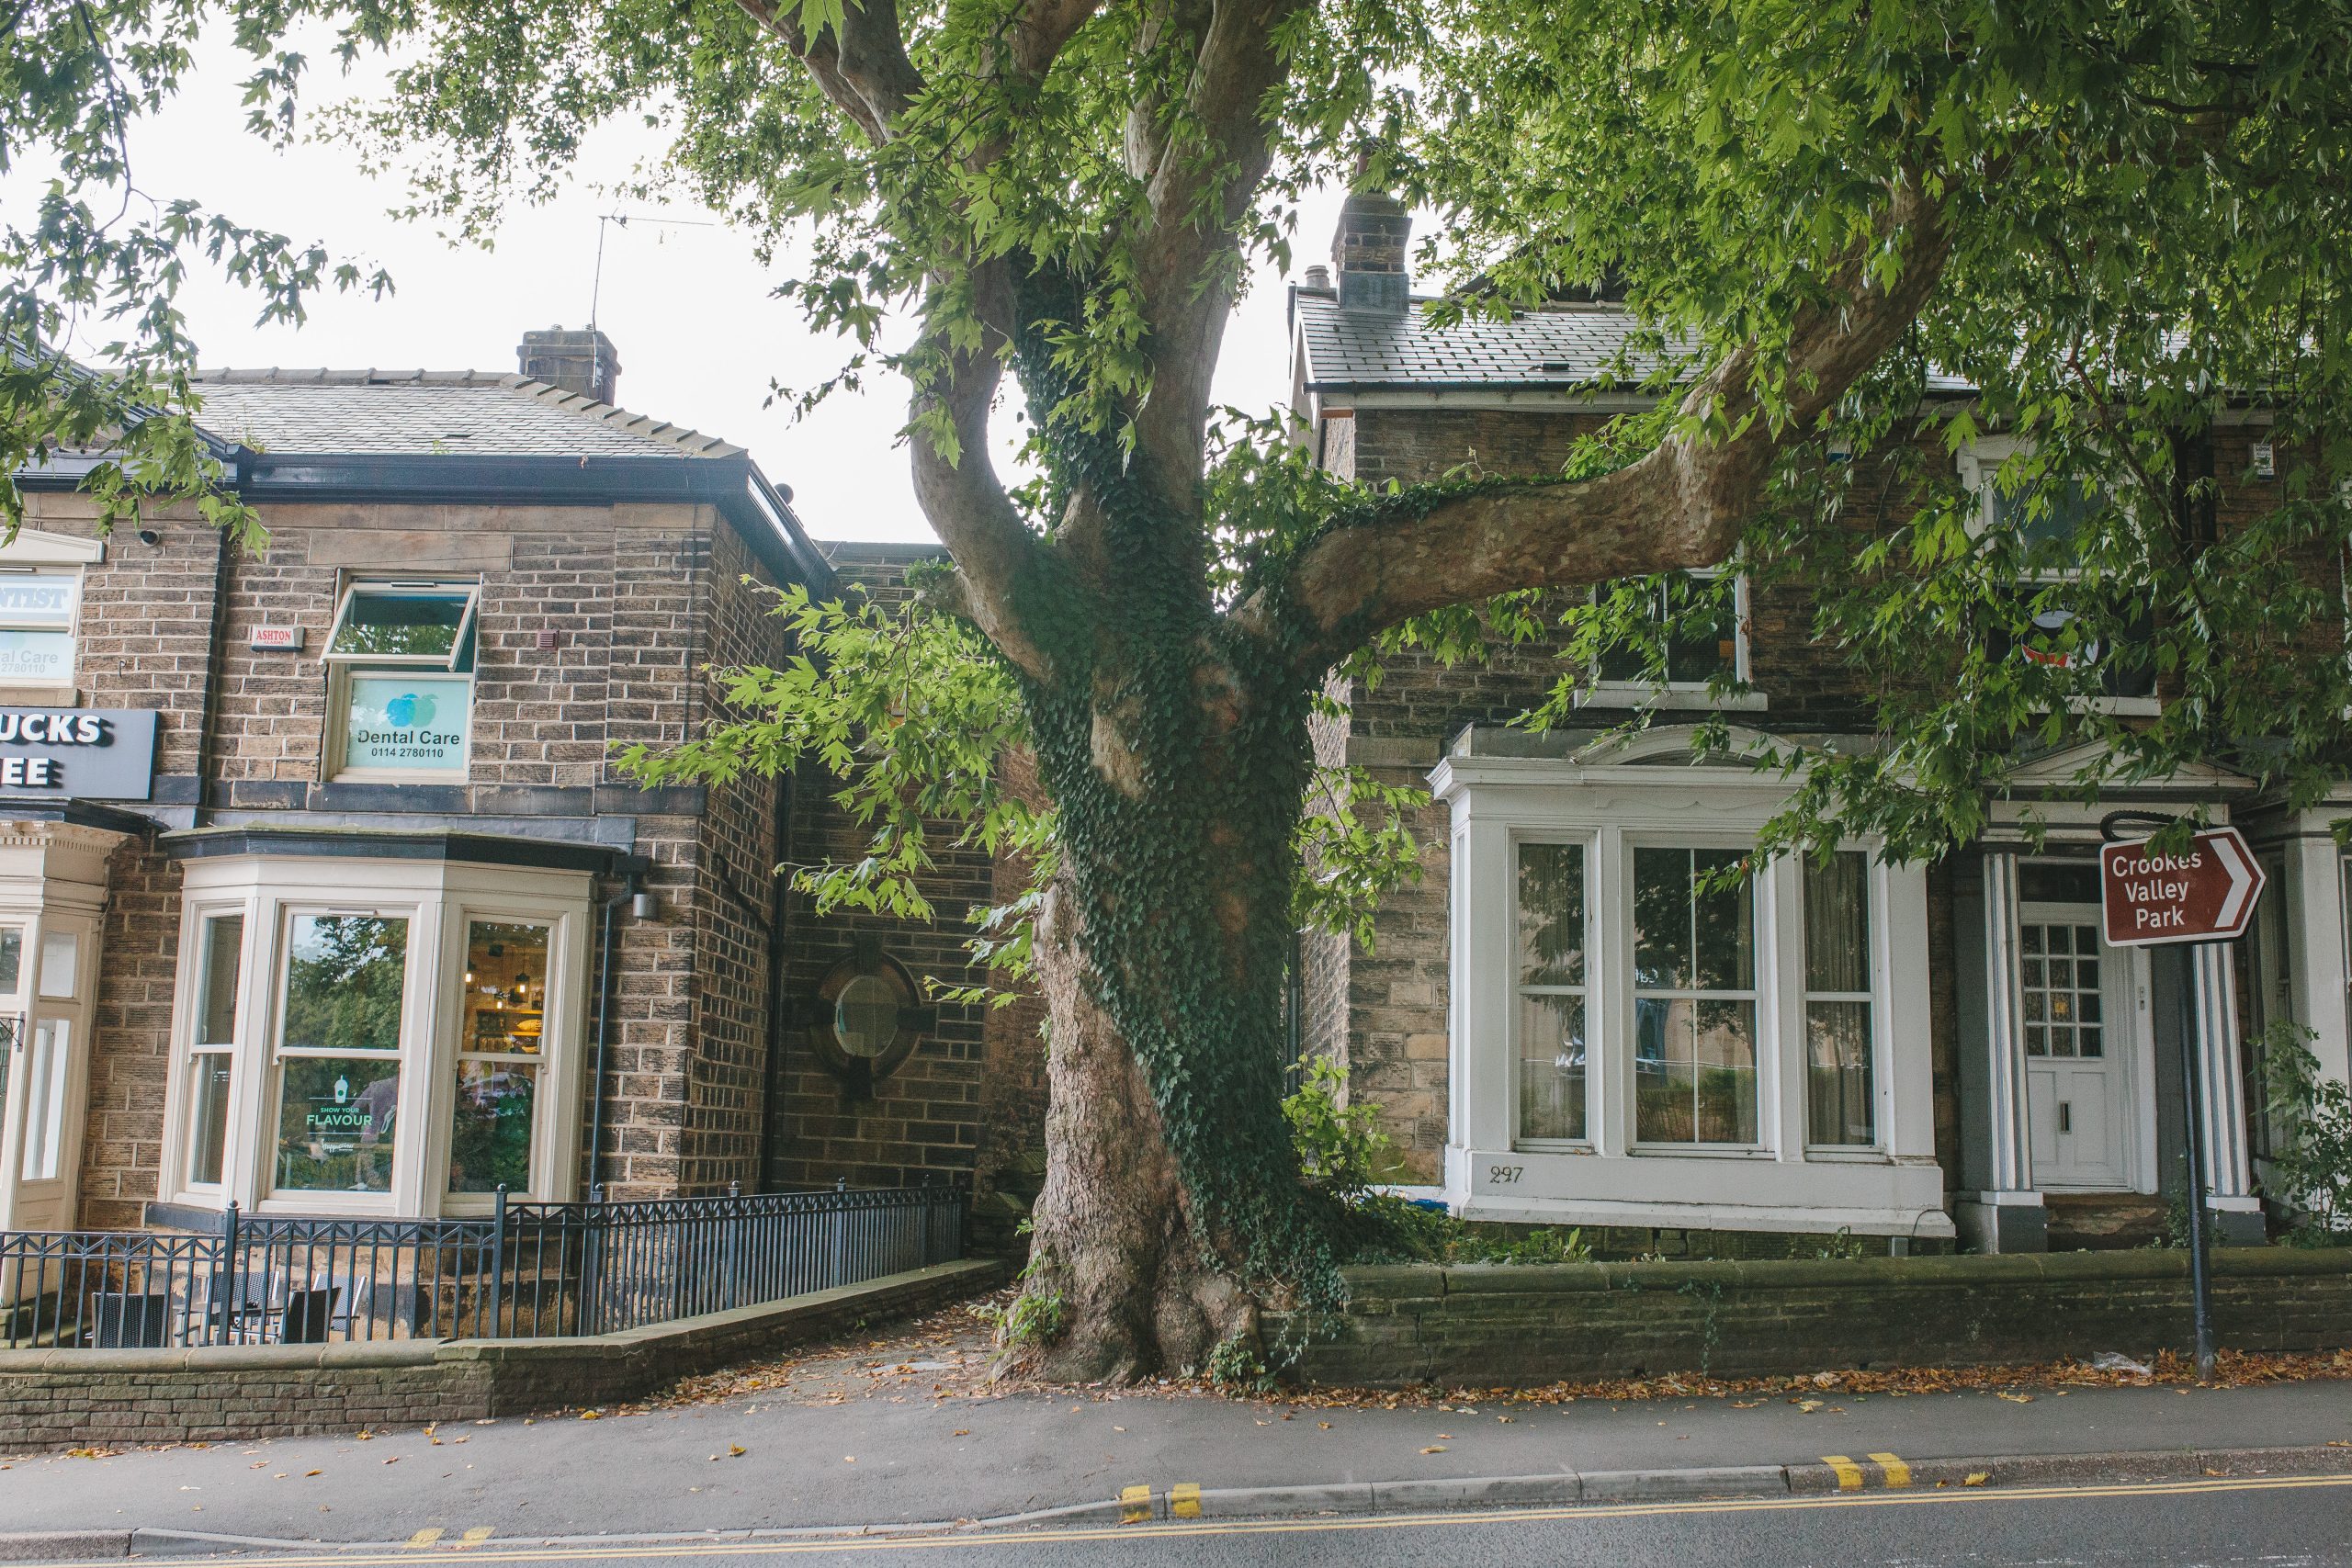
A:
[45,1100]
[1665,1071]
[1702,639]
[1551,914]
[344,983]
[1723,920]
[38,601]
[1662,919]
[39,658]
[506,987]
[1837,923]
[12,959]
[1551,1066]
[1840,1104]
[335,1123]
[406,721]
[490,1138]
[2042,882]
[1726,1038]
[216,1007]
[208,1116]
[2046,516]
[390,624]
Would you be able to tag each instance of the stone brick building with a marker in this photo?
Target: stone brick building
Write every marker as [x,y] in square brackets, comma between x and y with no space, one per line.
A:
[1564,1025]
[322,886]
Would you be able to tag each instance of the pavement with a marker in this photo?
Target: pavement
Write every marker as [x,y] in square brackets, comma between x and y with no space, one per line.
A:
[840,1440]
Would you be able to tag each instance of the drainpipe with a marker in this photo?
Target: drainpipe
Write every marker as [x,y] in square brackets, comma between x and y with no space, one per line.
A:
[641,908]
[772,1102]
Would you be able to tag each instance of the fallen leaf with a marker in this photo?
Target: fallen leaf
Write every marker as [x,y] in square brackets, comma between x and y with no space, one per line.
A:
[1325,1425]
[1976,1478]
[736,1451]
[591,1416]
[2016,1398]
[967,1431]
[1745,1403]
[1808,1405]
[311,1472]
[1435,1448]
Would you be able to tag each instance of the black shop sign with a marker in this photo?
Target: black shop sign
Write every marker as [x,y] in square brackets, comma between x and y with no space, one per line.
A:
[81,753]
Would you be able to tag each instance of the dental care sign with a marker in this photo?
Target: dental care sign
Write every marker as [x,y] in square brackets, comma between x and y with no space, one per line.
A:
[87,753]
[2205,893]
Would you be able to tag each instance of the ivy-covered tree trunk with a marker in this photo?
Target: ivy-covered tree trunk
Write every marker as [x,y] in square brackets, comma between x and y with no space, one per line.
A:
[1172,1203]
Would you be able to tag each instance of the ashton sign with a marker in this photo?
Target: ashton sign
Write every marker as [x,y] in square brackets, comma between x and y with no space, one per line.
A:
[2205,893]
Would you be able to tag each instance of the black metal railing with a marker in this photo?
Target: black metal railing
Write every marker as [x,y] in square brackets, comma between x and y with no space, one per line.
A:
[526,1270]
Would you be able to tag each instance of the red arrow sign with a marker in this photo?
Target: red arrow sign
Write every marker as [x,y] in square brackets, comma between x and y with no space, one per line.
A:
[2206,893]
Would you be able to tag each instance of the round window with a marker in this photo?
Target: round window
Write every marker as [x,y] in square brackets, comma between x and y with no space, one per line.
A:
[865,1016]
[867,1021]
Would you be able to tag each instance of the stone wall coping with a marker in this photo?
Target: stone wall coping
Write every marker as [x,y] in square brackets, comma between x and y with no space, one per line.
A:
[357,1353]
[1398,1281]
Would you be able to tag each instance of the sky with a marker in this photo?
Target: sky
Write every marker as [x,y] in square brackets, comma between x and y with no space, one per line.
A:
[685,305]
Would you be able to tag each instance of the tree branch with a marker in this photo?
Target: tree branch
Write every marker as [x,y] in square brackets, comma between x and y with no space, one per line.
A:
[863,69]
[996,555]
[1204,176]
[1682,505]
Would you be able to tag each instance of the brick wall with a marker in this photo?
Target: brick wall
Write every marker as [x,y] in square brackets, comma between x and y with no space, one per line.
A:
[925,1118]
[1501,1327]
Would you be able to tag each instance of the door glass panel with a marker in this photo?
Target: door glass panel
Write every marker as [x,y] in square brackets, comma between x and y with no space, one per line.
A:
[489,1141]
[45,1107]
[60,958]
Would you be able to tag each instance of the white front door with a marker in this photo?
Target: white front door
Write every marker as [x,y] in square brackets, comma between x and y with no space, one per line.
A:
[2079,1049]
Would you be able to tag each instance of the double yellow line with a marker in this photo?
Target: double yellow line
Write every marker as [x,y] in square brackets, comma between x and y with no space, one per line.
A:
[589,1552]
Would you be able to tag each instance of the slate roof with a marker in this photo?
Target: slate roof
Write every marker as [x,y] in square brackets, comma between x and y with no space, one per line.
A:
[417,412]
[1560,346]
[1569,346]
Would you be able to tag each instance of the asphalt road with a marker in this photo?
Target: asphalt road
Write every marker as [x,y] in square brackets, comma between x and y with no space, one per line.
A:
[769,1464]
[2276,1523]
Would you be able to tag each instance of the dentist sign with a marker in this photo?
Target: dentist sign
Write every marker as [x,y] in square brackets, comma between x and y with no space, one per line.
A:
[2204,893]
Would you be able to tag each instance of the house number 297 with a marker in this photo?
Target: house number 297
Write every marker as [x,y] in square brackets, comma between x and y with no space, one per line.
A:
[1505,1174]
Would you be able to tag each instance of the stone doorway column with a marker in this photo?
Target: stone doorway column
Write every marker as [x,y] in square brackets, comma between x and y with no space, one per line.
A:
[2006,1214]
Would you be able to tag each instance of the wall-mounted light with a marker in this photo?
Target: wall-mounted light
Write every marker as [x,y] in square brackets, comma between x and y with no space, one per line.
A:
[642,906]
[149,538]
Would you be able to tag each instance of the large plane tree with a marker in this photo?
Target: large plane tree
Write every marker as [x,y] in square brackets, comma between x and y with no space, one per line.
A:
[2115,222]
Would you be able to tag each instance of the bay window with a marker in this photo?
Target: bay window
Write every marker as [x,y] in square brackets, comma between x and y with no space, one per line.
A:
[403,1054]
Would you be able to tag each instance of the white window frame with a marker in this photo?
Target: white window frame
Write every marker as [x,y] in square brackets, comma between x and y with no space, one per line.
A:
[1685,695]
[437,898]
[1981,462]
[1766,961]
[188,1046]
[342,667]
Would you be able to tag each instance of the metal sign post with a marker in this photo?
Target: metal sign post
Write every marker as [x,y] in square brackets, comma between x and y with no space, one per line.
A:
[2201,897]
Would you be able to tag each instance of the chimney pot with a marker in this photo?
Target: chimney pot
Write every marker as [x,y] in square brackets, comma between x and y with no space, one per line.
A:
[1318,276]
[584,362]
[1370,252]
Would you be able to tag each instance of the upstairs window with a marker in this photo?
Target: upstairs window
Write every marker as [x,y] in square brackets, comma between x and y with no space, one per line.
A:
[2046,519]
[36,625]
[1699,635]
[400,670]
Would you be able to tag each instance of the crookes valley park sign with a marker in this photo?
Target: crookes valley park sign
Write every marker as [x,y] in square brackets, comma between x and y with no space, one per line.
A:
[81,753]
[2204,893]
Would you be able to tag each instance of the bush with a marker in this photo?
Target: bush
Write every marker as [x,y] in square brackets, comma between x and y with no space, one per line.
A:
[1339,1146]
[2311,1167]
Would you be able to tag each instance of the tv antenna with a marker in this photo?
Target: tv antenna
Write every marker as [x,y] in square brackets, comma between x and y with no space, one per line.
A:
[623,219]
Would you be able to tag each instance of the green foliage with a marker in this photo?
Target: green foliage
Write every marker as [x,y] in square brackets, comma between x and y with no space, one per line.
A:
[1384,1228]
[2309,1166]
[1339,1145]
[1235,1364]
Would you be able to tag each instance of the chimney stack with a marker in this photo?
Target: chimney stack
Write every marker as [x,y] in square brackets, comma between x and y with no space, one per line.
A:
[580,361]
[1369,252]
